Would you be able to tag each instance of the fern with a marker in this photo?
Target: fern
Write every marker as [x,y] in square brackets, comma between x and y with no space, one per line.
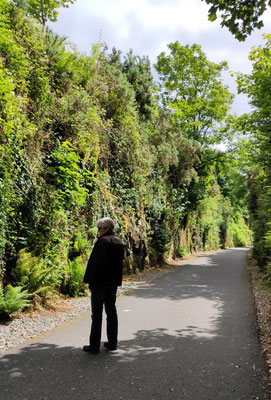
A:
[36,274]
[12,299]
[75,285]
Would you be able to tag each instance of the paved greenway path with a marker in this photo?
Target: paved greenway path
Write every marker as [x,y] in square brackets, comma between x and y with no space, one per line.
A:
[189,334]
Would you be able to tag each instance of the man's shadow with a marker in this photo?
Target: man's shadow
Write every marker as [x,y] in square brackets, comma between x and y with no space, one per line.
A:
[152,365]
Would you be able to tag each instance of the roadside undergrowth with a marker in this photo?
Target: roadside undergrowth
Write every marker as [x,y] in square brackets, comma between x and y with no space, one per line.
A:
[262,296]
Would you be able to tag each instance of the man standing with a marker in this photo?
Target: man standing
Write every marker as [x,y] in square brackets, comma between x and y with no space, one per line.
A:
[104,275]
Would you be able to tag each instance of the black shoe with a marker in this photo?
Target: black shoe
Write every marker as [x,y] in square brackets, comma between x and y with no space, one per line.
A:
[88,349]
[110,347]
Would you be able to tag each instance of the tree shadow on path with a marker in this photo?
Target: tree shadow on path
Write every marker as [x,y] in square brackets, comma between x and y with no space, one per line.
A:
[154,365]
[191,361]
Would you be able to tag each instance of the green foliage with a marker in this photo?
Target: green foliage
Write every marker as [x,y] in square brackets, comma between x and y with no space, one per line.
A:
[36,275]
[68,176]
[239,233]
[74,284]
[240,17]
[81,244]
[43,10]
[256,149]
[84,136]
[159,234]
[12,299]
[210,219]
[181,252]
[138,73]
[196,101]
[193,90]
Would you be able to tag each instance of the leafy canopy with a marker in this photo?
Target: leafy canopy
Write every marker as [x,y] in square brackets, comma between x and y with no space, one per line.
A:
[43,10]
[194,91]
[239,16]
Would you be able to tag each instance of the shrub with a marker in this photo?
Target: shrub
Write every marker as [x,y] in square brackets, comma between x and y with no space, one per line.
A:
[75,285]
[36,275]
[12,299]
[181,252]
[239,231]
[159,236]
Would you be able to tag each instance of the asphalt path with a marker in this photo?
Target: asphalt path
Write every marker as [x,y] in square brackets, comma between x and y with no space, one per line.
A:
[188,334]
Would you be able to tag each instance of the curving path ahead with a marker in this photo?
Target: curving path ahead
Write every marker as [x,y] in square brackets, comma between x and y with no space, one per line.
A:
[189,334]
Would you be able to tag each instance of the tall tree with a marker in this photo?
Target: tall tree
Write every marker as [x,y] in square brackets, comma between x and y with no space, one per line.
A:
[194,91]
[138,72]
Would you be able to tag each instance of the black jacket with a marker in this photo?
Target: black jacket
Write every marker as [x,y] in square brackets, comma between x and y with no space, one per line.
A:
[104,266]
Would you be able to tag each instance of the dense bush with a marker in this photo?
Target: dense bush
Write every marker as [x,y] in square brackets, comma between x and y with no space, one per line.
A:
[74,285]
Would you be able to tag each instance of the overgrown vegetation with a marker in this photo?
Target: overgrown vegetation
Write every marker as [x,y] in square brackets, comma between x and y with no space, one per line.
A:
[255,151]
[89,136]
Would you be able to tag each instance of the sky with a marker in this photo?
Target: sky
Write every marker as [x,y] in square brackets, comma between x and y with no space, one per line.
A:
[147,26]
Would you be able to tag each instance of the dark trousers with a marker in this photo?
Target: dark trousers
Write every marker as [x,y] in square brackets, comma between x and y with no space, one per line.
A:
[103,296]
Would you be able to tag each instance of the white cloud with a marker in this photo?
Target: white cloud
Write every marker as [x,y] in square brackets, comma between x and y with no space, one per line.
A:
[147,26]
[190,14]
